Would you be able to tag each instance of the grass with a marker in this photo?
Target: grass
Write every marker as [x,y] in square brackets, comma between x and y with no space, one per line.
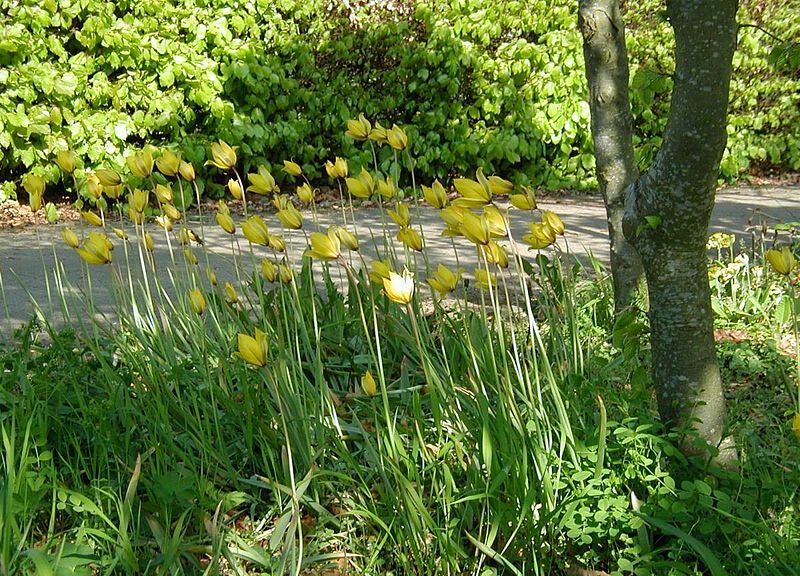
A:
[510,430]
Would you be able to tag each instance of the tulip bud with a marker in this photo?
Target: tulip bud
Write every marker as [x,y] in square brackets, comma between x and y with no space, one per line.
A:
[292,168]
[66,161]
[168,163]
[186,171]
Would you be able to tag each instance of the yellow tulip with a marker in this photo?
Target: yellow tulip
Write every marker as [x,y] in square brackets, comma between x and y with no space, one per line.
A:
[499,185]
[285,273]
[410,238]
[403,215]
[305,193]
[66,161]
[397,137]
[120,233]
[347,238]
[255,230]
[324,246]
[782,261]
[141,164]
[399,288]
[473,194]
[368,384]
[223,208]
[378,134]
[190,256]
[484,280]
[453,216]
[112,192]
[168,163]
[435,195]
[235,189]
[262,182]
[495,254]
[386,188]
[108,177]
[226,222]
[186,171]
[553,221]
[138,199]
[92,218]
[70,238]
[135,217]
[541,236]
[96,250]
[498,226]
[290,218]
[381,270]
[149,244]
[268,270]
[171,212]
[231,297]
[362,186]
[337,168]
[445,280]
[164,194]
[359,128]
[253,350]
[277,243]
[164,222]
[281,201]
[95,189]
[186,236]
[223,156]
[34,185]
[292,168]
[197,301]
[524,201]
[212,277]
[475,228]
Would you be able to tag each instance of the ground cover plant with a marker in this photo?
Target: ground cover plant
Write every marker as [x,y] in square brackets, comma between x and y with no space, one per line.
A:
[326,414]
[505,92]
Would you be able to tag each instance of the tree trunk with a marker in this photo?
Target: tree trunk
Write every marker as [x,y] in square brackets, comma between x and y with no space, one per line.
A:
[667,209]
[679,189]
[607,74]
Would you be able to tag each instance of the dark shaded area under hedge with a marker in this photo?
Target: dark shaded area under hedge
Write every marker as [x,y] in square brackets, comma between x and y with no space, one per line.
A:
[496,83]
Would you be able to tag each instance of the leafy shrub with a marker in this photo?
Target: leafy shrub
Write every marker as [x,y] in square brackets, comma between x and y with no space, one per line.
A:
[498,84]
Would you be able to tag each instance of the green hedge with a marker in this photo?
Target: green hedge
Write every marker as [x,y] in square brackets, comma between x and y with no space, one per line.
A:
[497,83]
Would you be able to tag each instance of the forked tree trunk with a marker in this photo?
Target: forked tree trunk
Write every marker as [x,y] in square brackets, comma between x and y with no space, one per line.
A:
[607,73]
[679,190]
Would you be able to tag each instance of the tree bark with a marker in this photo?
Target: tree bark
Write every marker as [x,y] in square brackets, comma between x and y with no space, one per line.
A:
[607,74]
[679,189]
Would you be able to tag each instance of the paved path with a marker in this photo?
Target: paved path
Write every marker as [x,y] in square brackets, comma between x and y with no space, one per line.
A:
[28,257]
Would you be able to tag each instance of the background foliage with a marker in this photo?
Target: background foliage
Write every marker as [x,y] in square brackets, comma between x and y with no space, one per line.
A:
[498,83]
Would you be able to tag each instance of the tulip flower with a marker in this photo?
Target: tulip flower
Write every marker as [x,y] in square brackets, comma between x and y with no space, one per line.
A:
[164,222]
[553,221]
[186,170]
[141,164]
[235,189]
[197,301]
[402,217]
[292,168]
[256,231]
[96,249]
[262,182]
[186,236]
[435,195]
[399,288]
[386,188]
[277,243]
[168,163]
[305,193]
[445,280]
[139,199]
[782,261]
[359,128]
[70,238]
[347,238]
[410,238]
[473,194]
[495,254]
[269,271]
[498,226]
[65,159]
[368,384]
[541,236]
[397,137]
[378,134]
[212,277]
[95,189]
[231,297]
[190,256]
[171,212]
[253,350]
[524,201]
[324,246]
[337,168]
[285,273]
[92,218]
[149,245]
[223,156]
[290,218]
[362,186]
[164,194]
[499,185]
[34,185]
[381,270]
[120,233]
[108,177]
[226,222]
[475,228]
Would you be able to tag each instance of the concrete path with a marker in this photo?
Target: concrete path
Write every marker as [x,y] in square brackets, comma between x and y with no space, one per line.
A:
[37,268]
